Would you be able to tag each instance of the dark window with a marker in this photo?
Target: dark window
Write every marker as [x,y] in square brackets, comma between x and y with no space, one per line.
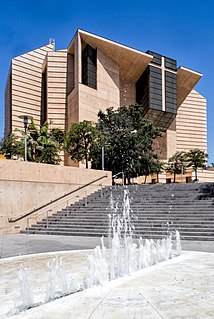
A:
[70,73]
[142,89]
[44,98]
[171,92]
[155,85]
[170,64]
[156,57]
[89,66]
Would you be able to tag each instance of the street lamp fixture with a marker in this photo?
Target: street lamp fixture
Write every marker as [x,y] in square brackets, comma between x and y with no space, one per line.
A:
[103,156]
[25,119]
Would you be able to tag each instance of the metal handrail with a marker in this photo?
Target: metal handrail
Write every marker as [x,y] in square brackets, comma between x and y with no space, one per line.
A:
[122,173]
[35,209]
[53,207]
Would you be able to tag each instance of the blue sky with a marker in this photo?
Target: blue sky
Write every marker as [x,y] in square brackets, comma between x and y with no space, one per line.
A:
[183,30]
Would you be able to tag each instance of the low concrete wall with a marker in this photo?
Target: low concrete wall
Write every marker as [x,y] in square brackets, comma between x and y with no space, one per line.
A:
[206,175]
[24,185]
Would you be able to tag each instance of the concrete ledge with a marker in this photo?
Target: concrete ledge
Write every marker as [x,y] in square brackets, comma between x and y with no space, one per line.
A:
[179,288]
[25,185]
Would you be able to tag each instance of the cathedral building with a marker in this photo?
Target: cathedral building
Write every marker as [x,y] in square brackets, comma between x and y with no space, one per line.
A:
[94,73]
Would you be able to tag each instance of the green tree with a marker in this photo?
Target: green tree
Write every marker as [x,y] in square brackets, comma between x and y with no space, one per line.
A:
[157,167]
[43,143]
[82,140]
[129,140]
[177,164]
[197,159]
[10,146]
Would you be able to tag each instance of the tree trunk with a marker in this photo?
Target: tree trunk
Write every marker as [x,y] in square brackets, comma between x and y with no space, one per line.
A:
[174,177]
[145,179]
[129,180]
[157,177]
[86,161]
[196,174]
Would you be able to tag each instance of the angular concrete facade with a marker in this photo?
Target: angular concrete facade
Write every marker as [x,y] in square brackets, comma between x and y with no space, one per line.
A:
[94,73]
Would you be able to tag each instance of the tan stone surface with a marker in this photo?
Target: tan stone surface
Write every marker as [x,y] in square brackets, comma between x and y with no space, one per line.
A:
[180,288]
[186,81]
[191,123]
[132,62]
[26,87]
[107,93]
[25,185]
[118,69]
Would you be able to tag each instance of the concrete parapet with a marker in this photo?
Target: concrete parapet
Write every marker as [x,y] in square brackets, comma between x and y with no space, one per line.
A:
[25,185]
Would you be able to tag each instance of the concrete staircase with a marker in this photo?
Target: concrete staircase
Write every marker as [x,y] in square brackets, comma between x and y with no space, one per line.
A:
[156,211]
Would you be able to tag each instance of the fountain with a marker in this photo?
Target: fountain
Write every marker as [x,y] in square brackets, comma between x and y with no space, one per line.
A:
[25,287]
[58,283]
[124,256]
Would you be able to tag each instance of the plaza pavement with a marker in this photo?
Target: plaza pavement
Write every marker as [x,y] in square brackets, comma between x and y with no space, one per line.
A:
[21,244]
[180,288]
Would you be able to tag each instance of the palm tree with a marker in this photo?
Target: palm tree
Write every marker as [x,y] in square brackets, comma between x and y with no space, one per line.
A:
[44,144]
[10,146]
[177,164]
[197,159]
[157,167]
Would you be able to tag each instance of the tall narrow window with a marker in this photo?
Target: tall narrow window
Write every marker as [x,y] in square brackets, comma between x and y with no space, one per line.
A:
[44,98]
[89,66]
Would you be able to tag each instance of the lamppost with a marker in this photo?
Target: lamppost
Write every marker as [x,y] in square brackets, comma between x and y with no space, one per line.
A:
[103,156]
[26,119]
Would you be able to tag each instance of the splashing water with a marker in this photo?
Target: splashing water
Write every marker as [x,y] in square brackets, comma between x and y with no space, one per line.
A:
[58,284]
[178,243]
[25,287]
[126,255]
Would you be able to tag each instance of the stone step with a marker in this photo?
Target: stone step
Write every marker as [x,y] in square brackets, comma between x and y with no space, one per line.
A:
[145,205]
[140,229]
[187,207]
[137,215]
[99,233]
[142,220]
[136,212]
[136,224]
[148,203]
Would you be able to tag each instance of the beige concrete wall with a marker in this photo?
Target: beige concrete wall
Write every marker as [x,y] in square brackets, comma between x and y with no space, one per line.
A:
[127,93]
[57,88]
[73,107]
[73,96]
[84,103]
[26,85]
[8,105]
[171,136]
[72,117]
[160,146]
[205,175]
[165,145]
[191,124]
[188,130]
[107,93]
[25,185]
